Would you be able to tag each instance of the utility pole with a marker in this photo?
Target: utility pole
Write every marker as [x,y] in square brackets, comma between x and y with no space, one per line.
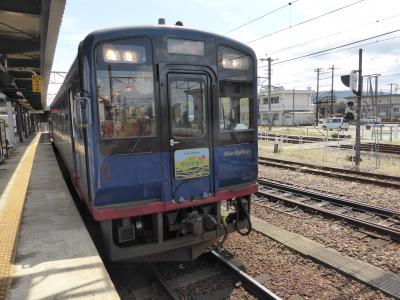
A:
[333,69]
[269,59]
[390,102]
[293,108]
[357,145]
[269,94]
[318,70]
[261,85]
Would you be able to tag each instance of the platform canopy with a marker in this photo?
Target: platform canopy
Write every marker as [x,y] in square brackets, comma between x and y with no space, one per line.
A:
[28,36]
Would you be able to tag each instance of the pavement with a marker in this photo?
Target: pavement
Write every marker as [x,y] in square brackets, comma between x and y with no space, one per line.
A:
[53,255]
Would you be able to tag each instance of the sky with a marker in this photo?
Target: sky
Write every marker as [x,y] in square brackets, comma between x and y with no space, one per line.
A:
[285,31]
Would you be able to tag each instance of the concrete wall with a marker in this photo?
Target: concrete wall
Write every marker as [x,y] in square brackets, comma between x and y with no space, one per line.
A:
[300,118]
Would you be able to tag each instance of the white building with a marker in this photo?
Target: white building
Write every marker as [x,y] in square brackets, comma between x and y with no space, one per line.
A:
[288,107]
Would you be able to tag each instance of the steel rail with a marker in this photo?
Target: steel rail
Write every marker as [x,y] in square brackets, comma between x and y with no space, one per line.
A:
[381,148]
[298,137]
[171,293]
[250,284]
[351,205]
[378,179]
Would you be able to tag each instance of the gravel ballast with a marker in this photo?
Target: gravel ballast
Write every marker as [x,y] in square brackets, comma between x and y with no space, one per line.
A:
[289,274]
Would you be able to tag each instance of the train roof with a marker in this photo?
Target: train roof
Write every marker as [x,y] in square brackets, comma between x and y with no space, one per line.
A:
[161,30]
[116,33]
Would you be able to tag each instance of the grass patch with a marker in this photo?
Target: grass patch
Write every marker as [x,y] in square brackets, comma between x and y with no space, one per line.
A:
[366,135]
[332,157]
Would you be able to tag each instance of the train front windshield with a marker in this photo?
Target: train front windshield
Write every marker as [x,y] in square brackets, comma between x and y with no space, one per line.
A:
[125,89]
[126,95]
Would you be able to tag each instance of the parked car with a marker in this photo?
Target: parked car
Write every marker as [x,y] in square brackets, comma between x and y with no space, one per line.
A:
[335,123]
[375,121]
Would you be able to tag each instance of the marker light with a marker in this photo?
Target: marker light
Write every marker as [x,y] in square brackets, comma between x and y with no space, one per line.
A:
[111,55]
[241,63]
[125,54]
[129,56]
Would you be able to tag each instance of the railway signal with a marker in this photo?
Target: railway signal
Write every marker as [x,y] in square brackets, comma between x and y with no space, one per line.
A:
[351,81]
[354,81]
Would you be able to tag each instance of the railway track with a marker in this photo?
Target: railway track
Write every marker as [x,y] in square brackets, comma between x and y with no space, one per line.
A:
[297,139]
[191,280]
[351,175]
[382,148]
[378,219]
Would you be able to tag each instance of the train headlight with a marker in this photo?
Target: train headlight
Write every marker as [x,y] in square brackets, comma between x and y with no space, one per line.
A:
[238,63]
[125,54]
[111,55]
[129,56]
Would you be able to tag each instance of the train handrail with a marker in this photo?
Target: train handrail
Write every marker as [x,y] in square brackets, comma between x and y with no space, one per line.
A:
[1,144]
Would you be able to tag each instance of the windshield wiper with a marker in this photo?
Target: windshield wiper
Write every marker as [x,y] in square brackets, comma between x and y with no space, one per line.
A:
[136,140]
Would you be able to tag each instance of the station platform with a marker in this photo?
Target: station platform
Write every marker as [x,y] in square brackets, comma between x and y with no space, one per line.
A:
[46,251]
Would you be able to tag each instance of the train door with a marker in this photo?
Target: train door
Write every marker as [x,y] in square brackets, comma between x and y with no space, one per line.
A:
[78,146]
[75,142]
[190,131]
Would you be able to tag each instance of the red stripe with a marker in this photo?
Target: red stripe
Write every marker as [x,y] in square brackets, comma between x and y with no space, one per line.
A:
[102,214]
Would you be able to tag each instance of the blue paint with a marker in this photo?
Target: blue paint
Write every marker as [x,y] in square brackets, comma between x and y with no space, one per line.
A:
[147,176]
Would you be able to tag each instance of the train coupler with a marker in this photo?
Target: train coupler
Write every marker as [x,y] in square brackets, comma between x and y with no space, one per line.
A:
[241,213]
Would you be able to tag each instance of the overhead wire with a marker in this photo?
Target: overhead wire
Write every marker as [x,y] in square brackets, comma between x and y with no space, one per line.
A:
[305,21]
[345,49]
[334,34]
[258,18]
[336,77]
[321,52]
[330,49]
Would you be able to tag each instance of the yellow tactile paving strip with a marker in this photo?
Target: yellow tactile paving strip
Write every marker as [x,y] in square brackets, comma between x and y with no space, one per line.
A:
[11,215]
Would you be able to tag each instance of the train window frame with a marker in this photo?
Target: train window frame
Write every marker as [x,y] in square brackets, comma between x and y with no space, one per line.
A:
[252,110]
[205,82]
[124,67]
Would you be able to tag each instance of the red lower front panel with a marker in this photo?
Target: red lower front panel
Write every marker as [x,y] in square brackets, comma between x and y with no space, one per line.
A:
[102,214]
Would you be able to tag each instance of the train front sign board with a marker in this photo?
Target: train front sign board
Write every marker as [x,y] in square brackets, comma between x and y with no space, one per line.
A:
[192,163]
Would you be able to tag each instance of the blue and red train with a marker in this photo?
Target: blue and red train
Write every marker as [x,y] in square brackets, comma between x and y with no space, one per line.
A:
[157,126]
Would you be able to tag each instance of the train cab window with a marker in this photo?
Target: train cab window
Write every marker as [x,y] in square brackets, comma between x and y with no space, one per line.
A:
[125,89]
[236,106]
[234,113]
